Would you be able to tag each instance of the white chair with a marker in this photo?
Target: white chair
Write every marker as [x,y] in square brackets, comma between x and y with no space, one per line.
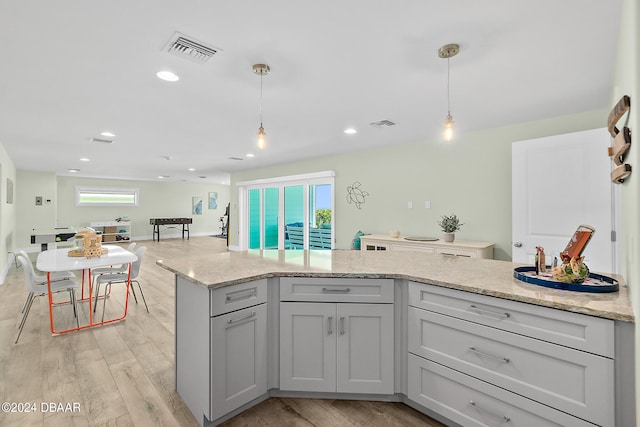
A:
[112,270]
[109,279]
[37,289]
[42,278]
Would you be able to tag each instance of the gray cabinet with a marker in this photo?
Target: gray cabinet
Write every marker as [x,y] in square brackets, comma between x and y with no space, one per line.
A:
[221,347]
[544,367]
[328,346]
[238,358]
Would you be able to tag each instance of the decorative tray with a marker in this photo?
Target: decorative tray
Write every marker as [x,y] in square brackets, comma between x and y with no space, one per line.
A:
[593,283]
[421,239]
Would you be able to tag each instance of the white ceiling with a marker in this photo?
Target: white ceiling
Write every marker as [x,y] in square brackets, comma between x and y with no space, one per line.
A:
[71,69]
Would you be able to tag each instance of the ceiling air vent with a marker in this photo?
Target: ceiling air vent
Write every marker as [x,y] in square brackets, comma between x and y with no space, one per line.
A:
[383,124]
[188,47]
[235,158]
[102,140]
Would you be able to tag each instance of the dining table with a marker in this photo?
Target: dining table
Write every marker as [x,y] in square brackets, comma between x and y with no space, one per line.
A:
[53,260]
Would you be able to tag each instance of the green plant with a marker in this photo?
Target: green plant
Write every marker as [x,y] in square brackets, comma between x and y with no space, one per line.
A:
[450,223]
[323,216]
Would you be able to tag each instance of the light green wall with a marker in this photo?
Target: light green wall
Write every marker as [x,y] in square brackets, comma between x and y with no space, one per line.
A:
[470,177]
[42,218]
[7,211]
[157,200]
[627,82]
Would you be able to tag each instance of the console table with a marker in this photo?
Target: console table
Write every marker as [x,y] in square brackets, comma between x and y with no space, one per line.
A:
[170,223]
[461,248]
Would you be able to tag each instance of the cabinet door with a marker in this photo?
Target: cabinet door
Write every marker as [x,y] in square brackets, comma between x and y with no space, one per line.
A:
[365,348]
[238,359]
[307,346]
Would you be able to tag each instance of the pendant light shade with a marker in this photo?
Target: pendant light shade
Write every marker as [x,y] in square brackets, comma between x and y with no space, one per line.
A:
[448,51]
[261,70]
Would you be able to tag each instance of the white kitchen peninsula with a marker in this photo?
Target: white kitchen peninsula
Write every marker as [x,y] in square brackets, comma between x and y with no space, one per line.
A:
[457,338]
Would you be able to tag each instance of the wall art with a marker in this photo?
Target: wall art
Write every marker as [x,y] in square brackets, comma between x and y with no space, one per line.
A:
[196,205]
[356,195]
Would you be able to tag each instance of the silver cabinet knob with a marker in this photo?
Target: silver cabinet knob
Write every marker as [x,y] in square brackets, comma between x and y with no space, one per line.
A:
[517,244]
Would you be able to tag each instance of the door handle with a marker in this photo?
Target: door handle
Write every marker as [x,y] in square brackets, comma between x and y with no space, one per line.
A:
[336,291]
[240,295]
[504,417]
[248,316]
[482,353]
[517,244]
[342,325]
[329,324]
[484,311]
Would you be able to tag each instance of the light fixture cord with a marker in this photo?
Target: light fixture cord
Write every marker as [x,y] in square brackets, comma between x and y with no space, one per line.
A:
[261,73]
[448,91]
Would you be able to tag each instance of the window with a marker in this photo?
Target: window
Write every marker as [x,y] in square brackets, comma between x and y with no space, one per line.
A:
[107,196]
[289,212]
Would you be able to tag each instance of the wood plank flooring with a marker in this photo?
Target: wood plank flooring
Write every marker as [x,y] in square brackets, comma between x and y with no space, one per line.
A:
[123,374]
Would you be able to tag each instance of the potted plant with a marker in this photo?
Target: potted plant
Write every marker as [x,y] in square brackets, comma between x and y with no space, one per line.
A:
[449,225]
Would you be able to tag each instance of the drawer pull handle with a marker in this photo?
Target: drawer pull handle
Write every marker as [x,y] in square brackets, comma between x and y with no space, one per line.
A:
[242,295]
[341,325]
[330,322]
[471,402]
[248,316]
[336,291]
[481,310]
[482,353]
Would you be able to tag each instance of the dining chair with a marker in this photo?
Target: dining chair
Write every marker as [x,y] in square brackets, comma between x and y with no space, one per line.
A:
[42,278]
[111,270]
[36,288]
[109,279]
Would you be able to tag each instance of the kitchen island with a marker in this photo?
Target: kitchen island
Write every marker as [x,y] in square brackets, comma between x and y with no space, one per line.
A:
[254,324]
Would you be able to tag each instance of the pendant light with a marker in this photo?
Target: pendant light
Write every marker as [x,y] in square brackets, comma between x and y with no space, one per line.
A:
[447,51]
[261,70]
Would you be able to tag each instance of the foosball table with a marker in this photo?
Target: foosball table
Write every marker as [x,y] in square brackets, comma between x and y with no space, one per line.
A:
[170,223]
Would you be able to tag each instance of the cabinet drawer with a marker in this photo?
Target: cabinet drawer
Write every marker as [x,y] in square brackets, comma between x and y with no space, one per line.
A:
[416,248]
[471,402]
[578,331]
[236,297]
[336,290]
[457,252]
[569,380]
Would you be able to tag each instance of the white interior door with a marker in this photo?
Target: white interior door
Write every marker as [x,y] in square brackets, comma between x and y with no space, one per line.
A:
[558,183]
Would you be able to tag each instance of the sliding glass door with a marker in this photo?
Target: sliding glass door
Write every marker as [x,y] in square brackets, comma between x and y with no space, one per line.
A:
[288,213]
[262,211]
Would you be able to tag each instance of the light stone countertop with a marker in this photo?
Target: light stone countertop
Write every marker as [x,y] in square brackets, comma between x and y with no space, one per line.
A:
[481,276]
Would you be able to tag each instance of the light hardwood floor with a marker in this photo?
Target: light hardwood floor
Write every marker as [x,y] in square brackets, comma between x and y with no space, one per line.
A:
[123,374]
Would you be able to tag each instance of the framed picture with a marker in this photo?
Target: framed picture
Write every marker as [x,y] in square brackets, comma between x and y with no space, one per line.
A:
[213,200]
[196,205]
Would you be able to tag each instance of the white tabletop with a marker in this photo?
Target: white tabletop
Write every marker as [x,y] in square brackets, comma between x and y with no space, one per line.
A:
[59,260]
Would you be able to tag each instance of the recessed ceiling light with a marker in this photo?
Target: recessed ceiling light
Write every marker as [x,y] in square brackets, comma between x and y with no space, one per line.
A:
[74,170]
[108,134]
[191,169]
[163,176]
[167,76]
[250,155]
[350,131]
[84,159]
